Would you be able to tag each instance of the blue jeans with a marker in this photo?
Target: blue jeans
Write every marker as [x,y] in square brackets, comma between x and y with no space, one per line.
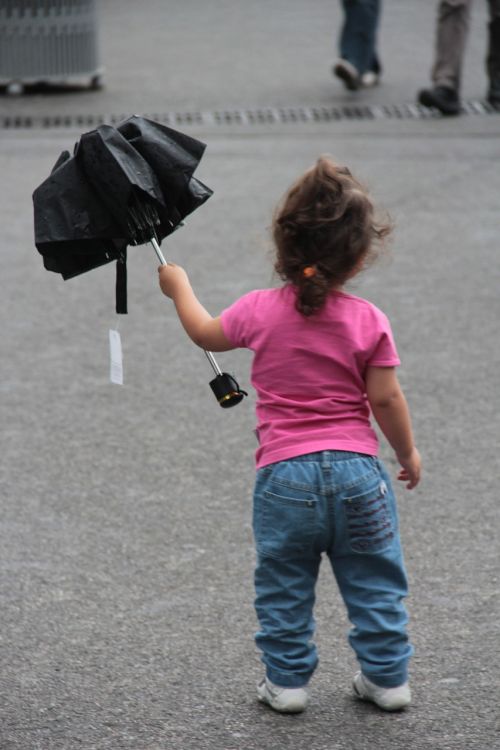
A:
[341,504]
[358,38]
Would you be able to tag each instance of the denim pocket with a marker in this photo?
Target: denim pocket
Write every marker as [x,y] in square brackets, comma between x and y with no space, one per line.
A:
[285,525]
[370,520]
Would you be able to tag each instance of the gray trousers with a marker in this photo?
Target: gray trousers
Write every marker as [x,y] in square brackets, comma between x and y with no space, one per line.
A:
[453,22]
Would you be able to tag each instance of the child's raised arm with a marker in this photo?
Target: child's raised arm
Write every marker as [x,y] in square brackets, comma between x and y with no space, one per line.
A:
[199,325]
[390,409]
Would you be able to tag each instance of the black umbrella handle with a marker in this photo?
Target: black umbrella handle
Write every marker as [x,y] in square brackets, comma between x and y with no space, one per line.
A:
[225,388]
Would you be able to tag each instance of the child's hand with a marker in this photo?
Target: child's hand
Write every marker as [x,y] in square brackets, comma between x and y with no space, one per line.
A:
[172,277]
[411,469]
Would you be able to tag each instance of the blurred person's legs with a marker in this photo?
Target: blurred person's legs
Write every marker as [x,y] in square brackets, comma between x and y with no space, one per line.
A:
[451,36]
[358,64]
[493,55]
[453,21]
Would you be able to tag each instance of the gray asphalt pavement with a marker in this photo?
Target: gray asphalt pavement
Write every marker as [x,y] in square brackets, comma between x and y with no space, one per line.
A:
[125,542]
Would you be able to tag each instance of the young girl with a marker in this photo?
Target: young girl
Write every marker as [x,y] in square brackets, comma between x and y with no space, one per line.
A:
[322,360]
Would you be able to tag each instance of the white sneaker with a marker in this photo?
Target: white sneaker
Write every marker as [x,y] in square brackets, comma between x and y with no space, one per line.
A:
[284,700]
[370,79]
[390,699]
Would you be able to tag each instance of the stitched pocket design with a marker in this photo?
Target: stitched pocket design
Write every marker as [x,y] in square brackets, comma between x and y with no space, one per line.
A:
[370,523]
[288,524]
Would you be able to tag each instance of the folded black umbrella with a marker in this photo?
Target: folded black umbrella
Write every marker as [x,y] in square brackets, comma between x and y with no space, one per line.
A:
[123,186]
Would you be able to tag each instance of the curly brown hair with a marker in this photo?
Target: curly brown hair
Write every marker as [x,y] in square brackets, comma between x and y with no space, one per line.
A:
[325,230]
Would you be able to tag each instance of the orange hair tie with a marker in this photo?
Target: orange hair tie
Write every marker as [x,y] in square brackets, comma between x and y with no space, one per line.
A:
[309,271]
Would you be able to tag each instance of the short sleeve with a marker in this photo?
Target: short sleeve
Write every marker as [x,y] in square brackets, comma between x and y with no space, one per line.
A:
[384,353]
[236,320]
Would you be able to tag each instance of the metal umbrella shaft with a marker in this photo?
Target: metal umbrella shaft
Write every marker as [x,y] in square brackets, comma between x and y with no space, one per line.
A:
[224,387]
[163,262]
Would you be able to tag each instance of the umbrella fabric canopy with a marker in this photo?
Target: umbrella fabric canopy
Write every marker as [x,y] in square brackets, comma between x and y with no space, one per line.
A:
[123,186]
[175,157]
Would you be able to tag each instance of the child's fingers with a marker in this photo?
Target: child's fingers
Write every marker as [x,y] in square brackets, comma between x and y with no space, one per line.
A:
[405,476]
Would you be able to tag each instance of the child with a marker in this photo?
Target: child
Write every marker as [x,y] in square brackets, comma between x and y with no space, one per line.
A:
[322,360]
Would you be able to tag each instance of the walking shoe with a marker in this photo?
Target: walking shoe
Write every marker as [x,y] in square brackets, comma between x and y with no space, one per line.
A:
[370,79]
[494,99]
[494,92]
[390,699]
[347,73]
[442,98]
[284,700]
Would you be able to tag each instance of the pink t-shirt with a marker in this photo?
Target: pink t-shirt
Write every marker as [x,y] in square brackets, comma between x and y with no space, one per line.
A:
[308,372]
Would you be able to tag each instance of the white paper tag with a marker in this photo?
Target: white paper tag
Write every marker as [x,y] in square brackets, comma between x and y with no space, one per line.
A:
[116,358]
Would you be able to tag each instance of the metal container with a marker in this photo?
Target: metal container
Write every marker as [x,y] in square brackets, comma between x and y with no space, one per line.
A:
[48,41]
